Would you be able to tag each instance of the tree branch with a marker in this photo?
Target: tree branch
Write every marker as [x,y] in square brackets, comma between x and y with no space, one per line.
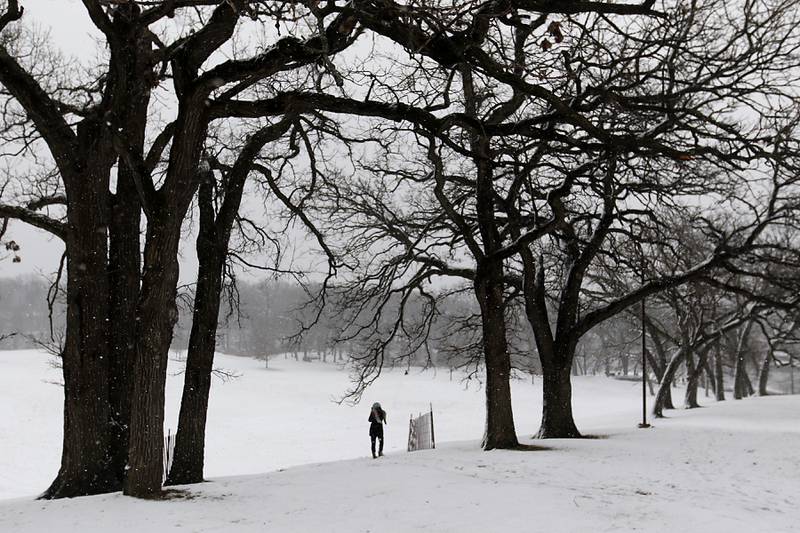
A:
[12,14]
[38,220]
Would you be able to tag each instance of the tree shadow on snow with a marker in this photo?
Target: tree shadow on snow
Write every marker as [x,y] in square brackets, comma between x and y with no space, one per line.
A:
[582,437]
[530,448]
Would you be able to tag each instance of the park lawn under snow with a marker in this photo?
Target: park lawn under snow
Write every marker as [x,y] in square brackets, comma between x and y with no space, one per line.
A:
[730,467]
[265,419]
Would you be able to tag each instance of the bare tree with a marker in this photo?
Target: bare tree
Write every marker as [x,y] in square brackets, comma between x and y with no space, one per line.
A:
[678,144]
[74,131]
[219,206]
[576,169]
[110,134]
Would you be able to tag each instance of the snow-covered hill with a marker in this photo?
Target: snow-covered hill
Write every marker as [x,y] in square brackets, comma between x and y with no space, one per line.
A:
[730,467]
[265,419]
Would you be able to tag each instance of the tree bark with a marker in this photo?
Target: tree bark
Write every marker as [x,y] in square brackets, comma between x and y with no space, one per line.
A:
[690,397]
[84,156]
[489,282]
[741,383]
[763,374]
[557,420]
[157,314]
[124,255]
[157,310]
[666,382]
[189,457]
[693,373]
[747,385]
[86,452]
[659,363]
[719,375]
[667,402]
[212,247]
[710,377]
[555,359]
[499,431]
[124,266]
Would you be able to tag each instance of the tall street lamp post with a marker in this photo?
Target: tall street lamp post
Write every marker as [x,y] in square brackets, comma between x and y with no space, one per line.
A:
[643,423]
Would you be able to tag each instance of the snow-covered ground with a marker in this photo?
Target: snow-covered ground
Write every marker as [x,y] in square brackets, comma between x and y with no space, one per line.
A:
[730,467]
[286,415]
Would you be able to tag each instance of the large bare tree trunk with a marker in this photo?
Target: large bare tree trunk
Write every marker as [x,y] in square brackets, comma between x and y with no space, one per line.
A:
[499,431]
[556,359]
[212,247]
[86,453]
[124,276]
[557,419]
[157,314]
[189,457]
[84,460]
[84,156]
[489,285]
[124,255]
[157,309]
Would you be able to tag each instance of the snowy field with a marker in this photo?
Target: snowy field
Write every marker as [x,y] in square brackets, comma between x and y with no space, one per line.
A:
[730,467]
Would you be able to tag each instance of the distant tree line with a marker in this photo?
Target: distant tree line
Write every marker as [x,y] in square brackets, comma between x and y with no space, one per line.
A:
[25,314]
[267,318]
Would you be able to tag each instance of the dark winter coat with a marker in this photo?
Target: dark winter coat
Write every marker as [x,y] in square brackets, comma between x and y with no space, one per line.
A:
[376,423]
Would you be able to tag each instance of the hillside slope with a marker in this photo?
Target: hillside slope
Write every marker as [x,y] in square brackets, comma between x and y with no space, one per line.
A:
[731,467]
[265,419]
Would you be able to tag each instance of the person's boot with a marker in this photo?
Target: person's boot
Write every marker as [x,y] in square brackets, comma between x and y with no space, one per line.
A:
[380,449]
[373,450]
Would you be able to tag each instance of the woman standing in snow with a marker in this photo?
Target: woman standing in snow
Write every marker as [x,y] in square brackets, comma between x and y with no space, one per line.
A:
[377,418]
